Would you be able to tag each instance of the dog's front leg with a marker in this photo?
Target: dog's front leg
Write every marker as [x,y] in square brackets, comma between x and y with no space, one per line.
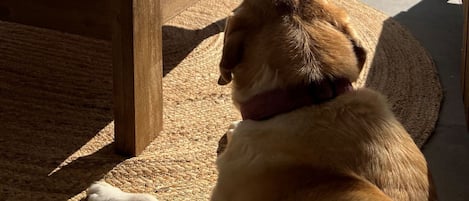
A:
[223,142]
[102,191]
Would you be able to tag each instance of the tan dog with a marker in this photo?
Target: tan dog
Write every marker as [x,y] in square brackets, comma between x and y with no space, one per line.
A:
[306,135]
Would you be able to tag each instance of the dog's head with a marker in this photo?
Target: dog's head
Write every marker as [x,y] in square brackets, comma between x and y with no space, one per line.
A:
[279,43]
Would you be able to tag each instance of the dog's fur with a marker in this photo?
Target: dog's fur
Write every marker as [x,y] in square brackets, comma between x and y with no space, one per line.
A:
[348,148]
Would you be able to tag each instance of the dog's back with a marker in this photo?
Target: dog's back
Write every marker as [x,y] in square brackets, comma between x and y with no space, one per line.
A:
[351,148]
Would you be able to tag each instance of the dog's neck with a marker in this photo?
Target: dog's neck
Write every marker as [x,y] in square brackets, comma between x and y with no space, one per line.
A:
[274,102]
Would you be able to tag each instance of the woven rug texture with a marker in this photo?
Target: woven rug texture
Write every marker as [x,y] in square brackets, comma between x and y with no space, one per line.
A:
[56,123]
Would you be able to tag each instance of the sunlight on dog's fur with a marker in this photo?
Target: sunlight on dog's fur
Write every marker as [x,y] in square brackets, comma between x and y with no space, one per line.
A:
[346,146]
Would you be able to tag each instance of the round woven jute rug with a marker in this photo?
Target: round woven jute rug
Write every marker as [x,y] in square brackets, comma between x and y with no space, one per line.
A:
[56,105]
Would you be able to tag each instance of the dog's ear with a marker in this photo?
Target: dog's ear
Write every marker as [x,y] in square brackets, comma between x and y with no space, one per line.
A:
[360,53]
[232,49]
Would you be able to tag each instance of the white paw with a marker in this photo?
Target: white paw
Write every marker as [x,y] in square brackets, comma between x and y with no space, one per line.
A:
[102,191]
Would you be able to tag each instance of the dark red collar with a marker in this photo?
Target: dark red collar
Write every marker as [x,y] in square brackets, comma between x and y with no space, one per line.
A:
[271,103]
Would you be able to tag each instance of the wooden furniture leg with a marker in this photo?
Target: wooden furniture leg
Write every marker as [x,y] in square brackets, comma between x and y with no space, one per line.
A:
[137,65]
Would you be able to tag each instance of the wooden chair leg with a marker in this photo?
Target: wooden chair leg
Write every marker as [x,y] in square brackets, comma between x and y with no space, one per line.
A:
[137,65]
